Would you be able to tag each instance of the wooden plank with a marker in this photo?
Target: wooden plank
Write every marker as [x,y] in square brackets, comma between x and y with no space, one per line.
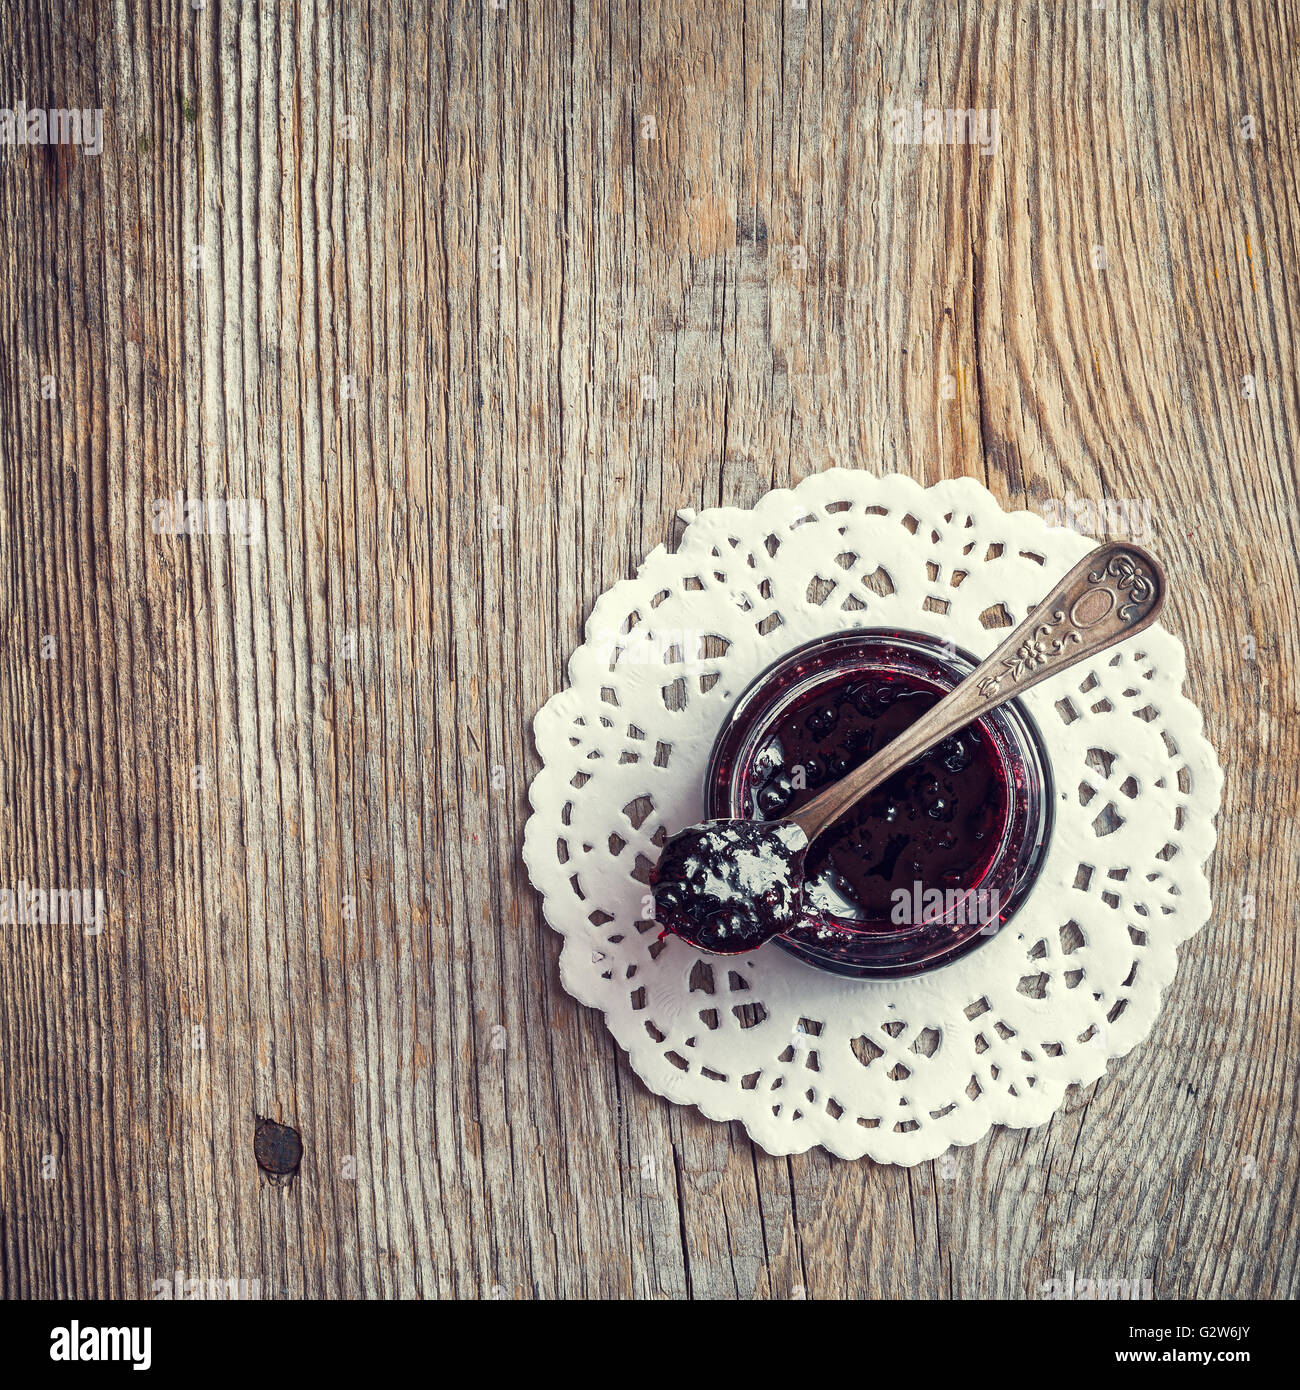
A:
[471,301]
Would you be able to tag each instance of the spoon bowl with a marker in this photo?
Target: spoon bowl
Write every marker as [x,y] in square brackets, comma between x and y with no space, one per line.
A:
[728,886]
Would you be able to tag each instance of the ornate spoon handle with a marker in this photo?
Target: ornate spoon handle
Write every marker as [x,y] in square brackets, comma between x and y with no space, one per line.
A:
[1111,594]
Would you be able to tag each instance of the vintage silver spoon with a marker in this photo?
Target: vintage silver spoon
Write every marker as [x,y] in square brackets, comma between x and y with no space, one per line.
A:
[728,885]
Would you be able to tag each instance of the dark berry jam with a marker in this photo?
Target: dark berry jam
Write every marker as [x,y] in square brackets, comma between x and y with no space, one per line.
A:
[935,859]
[938,821]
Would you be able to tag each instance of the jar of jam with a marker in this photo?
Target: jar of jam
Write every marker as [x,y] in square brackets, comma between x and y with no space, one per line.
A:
[932,862]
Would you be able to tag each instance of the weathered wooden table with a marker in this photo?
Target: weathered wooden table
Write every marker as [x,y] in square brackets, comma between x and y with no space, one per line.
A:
[471,302]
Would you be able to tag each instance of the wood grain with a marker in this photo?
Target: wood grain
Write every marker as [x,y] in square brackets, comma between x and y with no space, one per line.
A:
[471,301]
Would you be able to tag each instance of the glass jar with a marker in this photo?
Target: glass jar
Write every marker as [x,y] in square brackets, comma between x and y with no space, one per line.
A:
[935,860]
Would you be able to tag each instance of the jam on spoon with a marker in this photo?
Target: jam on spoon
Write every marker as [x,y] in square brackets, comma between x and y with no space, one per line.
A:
[727,886]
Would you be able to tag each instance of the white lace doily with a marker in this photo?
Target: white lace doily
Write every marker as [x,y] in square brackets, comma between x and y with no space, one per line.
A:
[899,1070]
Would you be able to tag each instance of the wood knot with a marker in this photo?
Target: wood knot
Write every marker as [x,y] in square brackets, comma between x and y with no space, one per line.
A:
[277,1147]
